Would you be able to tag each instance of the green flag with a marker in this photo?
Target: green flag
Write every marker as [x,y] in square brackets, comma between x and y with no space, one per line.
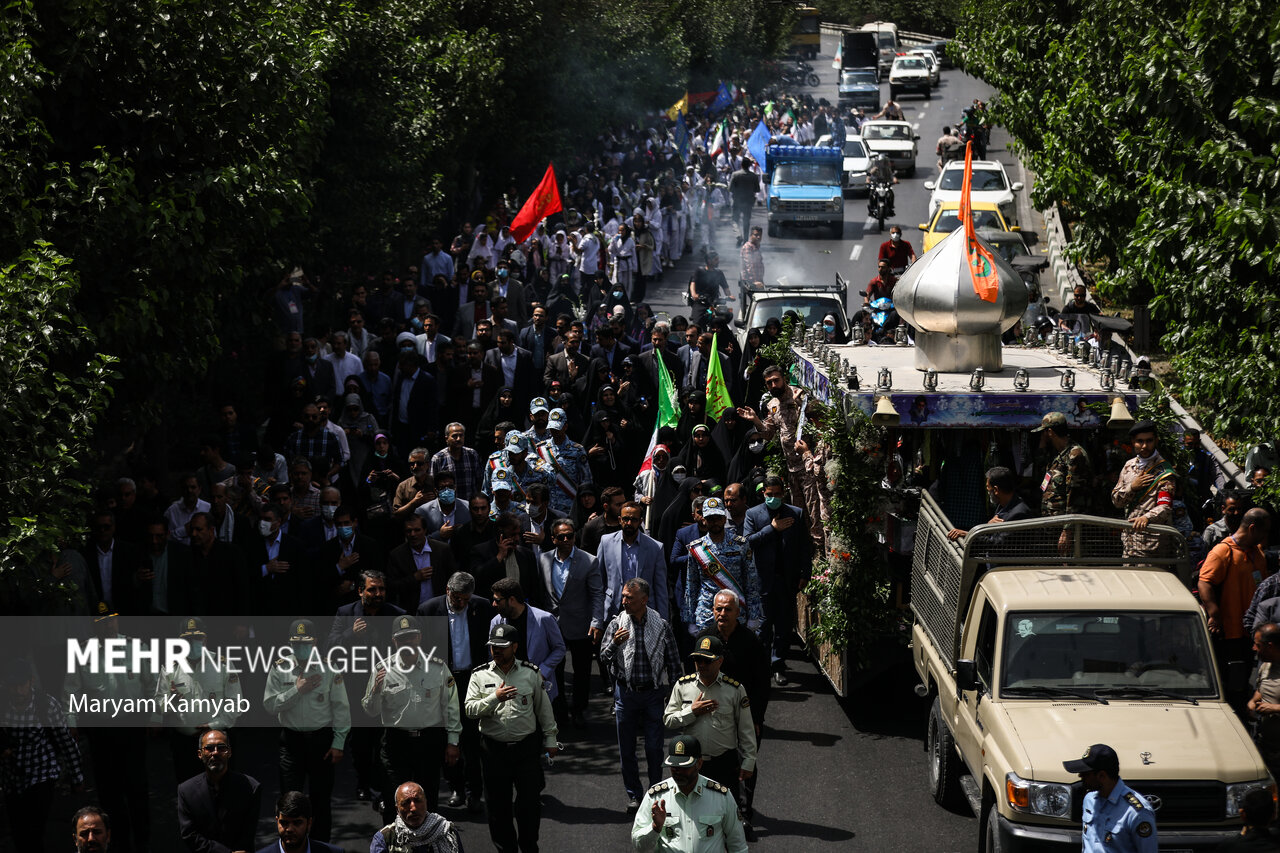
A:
[717,392]
[668,399]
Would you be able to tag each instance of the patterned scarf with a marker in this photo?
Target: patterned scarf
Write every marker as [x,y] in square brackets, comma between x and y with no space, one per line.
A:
[435,834]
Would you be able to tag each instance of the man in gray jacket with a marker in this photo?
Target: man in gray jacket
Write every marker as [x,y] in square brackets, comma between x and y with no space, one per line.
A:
[575,591]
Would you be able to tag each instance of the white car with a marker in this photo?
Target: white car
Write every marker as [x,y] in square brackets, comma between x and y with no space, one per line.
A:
[856,161]
[894,139]
[910,74]
[935,69]
[990,184]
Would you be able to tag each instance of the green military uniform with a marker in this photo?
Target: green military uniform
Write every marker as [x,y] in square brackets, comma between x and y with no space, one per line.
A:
[705,820]
[418,705]
[1066,486]
[1154,502]
[727,728]
[312,723]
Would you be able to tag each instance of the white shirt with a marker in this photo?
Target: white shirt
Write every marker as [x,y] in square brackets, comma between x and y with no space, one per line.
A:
[344,365]
[589,253]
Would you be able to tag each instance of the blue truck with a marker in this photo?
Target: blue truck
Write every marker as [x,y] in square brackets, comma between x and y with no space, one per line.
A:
[804,187]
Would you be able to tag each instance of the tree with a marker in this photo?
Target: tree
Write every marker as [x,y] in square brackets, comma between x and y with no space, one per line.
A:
[1154,127]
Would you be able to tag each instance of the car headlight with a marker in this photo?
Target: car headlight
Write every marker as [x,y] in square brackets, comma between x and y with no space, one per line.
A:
[1048,799]
[835,203]
[1236,792]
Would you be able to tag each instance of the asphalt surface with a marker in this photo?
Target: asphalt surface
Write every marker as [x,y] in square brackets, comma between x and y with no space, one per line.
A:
[846,772]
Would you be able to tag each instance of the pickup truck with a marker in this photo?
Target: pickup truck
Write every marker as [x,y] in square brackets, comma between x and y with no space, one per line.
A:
[805,187]
[1038,638]
[758,302]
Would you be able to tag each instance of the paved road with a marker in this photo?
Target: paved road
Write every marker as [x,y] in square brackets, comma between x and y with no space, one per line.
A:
[850,772]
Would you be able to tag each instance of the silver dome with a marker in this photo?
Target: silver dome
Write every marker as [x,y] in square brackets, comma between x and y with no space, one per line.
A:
[957,330]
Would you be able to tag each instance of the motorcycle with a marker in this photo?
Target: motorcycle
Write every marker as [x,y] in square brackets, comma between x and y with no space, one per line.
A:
[879,202]
[801,75]
[879,319]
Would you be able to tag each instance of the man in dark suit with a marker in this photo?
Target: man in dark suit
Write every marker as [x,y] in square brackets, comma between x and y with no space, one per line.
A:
[218,809]
[282,581]
[507,365]
[471,313]
[413,403]
[647,375]
[779,543]
[318,370]
[418,568]
[113,565]
[608,348]
[539,338]
[568,364]
[573,588]
[467,616]
[677,565]
[540,517]
[475,532]
[618,567]
[685,353]
[163,585]
[293,823]
[342,558]
[490,558]
[700,363]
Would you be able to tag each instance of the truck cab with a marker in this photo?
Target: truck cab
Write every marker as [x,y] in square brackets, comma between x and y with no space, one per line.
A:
[804,187]
[758,302]
[1038,638]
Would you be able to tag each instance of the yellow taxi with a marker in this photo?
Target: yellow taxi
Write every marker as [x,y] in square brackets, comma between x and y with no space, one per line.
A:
[947,219]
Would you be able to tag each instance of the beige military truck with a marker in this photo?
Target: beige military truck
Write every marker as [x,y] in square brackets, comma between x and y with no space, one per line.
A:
[1038,638]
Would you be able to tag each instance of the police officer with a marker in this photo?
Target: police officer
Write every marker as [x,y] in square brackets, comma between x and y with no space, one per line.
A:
[311,703]
[715,709]
[1115,817]
[1066,486]
[417,699]
[508,697]
[720,560]
[185,714]
[688,812]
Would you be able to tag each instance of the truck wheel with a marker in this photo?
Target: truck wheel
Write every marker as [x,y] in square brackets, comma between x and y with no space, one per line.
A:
[990,832]
[773,229]
[944,764]
[928,93]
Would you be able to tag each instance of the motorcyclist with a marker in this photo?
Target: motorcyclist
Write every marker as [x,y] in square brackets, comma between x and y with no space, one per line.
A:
[707,283]
[880,171]
[881,285]
[897,251]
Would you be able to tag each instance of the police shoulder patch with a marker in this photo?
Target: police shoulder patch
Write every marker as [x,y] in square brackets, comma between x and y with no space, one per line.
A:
[1133,800]
[746,703]
[450,682]
[659,788]
[234,678]
[1144,829]
[716,786]
[337,679]
[693,676]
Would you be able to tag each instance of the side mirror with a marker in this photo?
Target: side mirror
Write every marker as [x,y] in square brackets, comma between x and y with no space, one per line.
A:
[741,322]
[1015,228]
[923,226]
[1017,186]
[862,293]
[928,185]
[966,676]
[915,138]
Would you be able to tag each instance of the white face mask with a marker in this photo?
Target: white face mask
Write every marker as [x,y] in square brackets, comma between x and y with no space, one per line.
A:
[264,527]
[756,447]
[302,651]
[328,512]
[197,648]
[679,476]
[895,237]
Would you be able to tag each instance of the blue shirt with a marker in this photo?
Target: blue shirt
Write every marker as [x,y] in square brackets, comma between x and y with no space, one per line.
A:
[379,388]
[1122,822]
[460,639]
[560,571]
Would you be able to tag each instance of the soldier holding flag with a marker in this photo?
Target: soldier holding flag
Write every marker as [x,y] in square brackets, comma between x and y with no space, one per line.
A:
[720,561]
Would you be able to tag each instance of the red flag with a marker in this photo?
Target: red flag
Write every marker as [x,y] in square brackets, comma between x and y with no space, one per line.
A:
[544,202]
[982,267]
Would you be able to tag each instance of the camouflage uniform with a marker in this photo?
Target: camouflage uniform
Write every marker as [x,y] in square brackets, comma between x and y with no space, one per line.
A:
[1066,486]
[1154,503]
[781,423]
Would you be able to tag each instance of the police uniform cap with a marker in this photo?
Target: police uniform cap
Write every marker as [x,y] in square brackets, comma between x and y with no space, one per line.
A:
[192,626]
[557,419]
[539,404]
[1097,757]
[405,625]
[517,443]
[684,751]
[712,507]
[104,612]
[501,481]
[1053,420]
[502,635]
[302,631]
[708,648]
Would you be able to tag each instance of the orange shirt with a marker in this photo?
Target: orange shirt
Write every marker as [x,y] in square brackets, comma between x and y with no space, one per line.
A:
[1236,574]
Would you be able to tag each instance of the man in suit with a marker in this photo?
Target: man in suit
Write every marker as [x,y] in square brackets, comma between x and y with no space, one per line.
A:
[471,313]
[574,591]
[365,622]
[282,579]
[540,517]
[503,557]
[478,530]
[219,584]
[293,823]
[631,554]
[647,376]
[113,565]
[163,581]
[700,363]
[468,631]
[686,351]
[539,338]
[413,403]
[341,560]
[509,366]
[317,370]
[543,646]
[568,364]
[608,348]
[218,809]
[677,565]
[778,543]
[418,568]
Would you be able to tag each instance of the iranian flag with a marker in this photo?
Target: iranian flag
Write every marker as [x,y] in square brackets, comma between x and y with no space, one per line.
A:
[668,410]
[982,266]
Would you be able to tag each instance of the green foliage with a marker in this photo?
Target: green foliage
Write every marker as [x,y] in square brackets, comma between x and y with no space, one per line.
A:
[936,17]
[1155,127]
[53,391]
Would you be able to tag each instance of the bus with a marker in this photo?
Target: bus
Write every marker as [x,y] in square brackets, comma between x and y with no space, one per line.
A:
[887,35]
[806,34]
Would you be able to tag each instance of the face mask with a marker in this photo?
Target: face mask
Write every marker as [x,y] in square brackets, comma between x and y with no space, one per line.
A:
[197,648]
[328,512]
[346,532]
[302,651]
[619,295]
[895,237]
[264,527]
[756,447]
[679,476]
[379,455]
[503,273]
[446,496]
[772,502]
[311,359]
[828,328]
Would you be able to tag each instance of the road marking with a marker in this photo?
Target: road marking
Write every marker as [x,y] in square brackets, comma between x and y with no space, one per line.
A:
[856,253]
[915,126]
[924,106]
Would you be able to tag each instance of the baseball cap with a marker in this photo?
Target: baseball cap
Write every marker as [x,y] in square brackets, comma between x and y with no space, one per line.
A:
[1097,757]
[709,647]
[351,399]
[501,481]
[684,751]
[538,404]
[405,625]
[303,632]
[713,506]
[557,419]
[1050,421]
[104,612]
[517,443]
[502,635]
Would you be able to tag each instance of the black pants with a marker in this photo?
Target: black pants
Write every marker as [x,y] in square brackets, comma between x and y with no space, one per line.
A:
[742,215]
[29,816]
[412,756]
[513,768]
[120,774]
[302,761]
[724,769]
[581,652]
[466,775]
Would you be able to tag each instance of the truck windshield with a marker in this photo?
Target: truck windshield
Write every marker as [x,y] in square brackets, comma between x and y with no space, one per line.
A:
[824,173]
[849,78]
[811,308]
[984,180]
[886,131]
[1114,652]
